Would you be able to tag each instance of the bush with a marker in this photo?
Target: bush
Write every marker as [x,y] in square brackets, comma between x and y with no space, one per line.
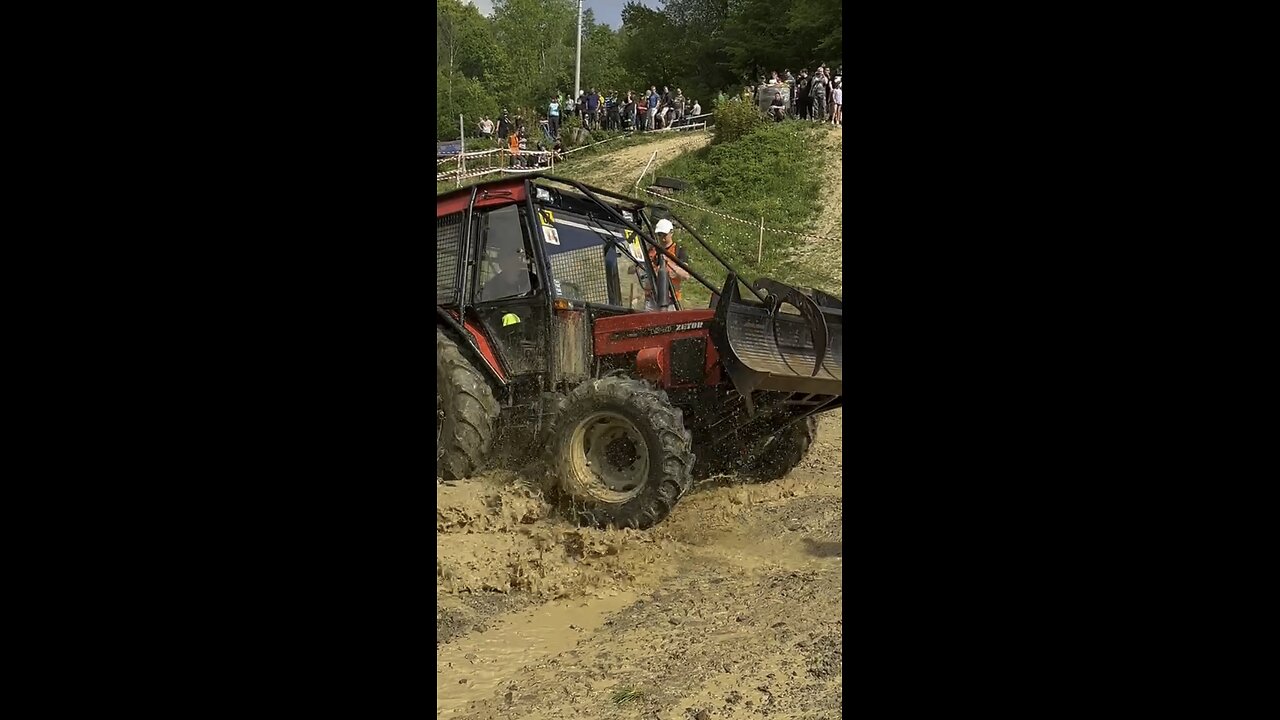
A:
[734,120]
[569,127]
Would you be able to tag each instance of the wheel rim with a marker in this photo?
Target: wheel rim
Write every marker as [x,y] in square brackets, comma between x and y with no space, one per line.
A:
[610,457]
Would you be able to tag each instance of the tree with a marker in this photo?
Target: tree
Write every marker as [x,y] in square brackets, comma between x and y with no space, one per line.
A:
[811,27]
[647,37]
[538,39]
[465,53]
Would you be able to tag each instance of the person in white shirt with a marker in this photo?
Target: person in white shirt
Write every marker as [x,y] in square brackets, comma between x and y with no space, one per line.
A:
[697,109]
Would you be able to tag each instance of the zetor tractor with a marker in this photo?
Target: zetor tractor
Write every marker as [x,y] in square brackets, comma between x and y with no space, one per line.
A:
[560,339]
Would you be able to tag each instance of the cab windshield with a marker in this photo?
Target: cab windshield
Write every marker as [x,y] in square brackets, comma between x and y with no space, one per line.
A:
[593,260]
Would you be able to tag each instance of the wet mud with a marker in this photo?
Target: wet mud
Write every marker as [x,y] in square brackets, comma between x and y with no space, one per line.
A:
[728,609]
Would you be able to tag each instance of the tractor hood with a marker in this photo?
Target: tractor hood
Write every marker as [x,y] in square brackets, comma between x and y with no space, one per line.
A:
[649,324]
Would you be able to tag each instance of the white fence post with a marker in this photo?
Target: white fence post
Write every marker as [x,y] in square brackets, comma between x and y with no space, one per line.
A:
[462,151]
[646,169]
[760,247]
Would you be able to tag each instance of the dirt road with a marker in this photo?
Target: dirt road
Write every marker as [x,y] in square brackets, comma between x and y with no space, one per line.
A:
[620,170]
[729,609]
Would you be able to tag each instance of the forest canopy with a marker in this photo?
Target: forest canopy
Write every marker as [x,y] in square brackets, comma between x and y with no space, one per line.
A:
[522,55]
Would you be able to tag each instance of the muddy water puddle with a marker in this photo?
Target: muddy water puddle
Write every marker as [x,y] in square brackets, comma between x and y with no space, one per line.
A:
[475,667]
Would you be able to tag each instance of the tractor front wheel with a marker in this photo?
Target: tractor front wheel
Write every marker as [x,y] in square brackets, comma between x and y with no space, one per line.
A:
[618,453]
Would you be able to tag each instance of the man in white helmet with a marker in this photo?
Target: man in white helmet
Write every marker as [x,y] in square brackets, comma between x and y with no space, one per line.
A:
[665,235]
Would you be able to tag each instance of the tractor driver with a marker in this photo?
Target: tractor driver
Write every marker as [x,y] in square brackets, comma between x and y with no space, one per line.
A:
[511,280]
[512,277]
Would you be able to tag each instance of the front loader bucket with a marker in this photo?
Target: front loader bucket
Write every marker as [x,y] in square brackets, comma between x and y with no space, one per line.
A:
[765,347]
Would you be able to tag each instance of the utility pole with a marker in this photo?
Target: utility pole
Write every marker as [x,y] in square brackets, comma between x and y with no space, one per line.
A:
[577,68]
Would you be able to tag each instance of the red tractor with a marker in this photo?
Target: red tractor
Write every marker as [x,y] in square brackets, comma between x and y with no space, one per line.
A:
[559,338]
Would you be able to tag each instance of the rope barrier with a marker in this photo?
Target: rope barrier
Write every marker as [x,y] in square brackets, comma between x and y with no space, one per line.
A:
[752,223]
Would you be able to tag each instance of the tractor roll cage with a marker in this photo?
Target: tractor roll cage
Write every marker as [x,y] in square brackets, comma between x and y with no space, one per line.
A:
[592,193]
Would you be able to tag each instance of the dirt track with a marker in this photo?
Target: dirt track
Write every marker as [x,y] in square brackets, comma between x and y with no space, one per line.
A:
[620,170]
[729,609]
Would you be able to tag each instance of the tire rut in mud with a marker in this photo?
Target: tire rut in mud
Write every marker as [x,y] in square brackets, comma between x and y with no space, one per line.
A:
[769,554]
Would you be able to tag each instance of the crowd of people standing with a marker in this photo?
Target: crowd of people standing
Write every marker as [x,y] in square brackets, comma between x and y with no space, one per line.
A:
[818,97]
[614,110]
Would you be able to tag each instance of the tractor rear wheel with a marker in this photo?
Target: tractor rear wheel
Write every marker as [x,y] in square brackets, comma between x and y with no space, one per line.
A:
[780,454]
[466,412]
[618,453]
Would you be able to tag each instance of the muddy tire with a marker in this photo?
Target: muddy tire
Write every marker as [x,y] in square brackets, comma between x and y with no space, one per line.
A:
[618,454]
[466,413]
[783,453]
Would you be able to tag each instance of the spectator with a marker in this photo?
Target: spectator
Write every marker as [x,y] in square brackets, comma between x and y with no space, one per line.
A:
[592,103]
[553,115]
[651,102]
[582,108]
[818,96]
[831,97]
[837,104]
[513,145]
[697,109]
[504,126]
[778,110]
[629,112]
[680,106]
[557,152]
[802,95]
[615,111]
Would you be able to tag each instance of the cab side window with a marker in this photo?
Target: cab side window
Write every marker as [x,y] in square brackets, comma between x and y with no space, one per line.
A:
[505,269]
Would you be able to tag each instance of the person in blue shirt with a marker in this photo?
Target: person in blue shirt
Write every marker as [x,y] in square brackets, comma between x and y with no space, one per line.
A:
[553,114]
[652,103]
[593,102]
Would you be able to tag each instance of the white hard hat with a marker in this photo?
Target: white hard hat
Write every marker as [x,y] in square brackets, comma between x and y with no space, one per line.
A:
[663,227]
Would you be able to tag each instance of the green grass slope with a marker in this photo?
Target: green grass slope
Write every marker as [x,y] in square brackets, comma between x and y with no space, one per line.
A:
[774,172]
